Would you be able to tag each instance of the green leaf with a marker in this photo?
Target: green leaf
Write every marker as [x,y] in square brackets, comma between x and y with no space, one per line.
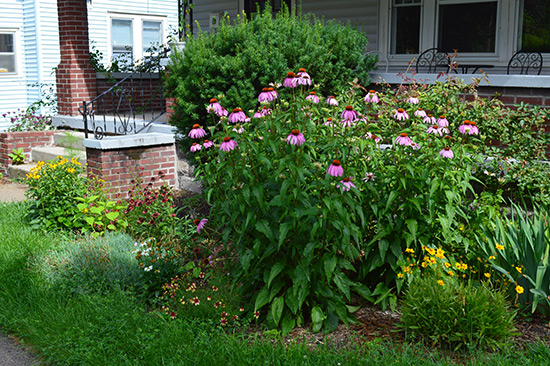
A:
[96,210]
[275,270]
[342,282]
[263,227]
[283,232]
[261,299]
[317,318]
[112,215]
[330,264]
[287,324]
[277,307]
[89,220]
[412,224]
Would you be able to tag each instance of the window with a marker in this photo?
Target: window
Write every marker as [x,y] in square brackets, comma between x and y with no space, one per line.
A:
[535,29]
[133,36]
[7,52]
[250,6]
[406,26]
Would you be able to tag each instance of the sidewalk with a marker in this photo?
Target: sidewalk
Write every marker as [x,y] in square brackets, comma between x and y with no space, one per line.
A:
[10,192]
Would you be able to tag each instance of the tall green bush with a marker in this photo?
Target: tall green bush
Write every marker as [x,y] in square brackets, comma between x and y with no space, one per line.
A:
[239,60]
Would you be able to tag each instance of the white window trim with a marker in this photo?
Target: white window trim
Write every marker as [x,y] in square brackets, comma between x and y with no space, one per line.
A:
[137,31]
[506,33]
[17,52]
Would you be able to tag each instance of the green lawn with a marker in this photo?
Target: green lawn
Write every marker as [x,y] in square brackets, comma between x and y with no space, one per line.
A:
[114,328]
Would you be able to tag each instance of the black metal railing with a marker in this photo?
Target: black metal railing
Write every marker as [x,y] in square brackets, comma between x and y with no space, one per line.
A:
[129,106]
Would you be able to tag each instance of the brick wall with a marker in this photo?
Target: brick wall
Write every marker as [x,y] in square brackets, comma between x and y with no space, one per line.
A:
[170,105]
[120,167]
[510,96]
[145,92]
[21,139]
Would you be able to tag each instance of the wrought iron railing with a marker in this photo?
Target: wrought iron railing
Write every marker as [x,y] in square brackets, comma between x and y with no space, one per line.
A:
[129,106]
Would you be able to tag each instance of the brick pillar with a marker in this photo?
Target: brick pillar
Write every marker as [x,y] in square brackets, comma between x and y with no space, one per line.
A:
[75,76]
[170,105]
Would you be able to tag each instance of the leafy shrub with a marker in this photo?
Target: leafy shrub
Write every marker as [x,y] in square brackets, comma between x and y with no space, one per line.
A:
[456,314]
[519,248]
[237,61]
[317,210]
[99,215]
[91,264]
[53,190]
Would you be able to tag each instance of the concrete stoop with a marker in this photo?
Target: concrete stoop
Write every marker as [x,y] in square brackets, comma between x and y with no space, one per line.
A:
[67,144]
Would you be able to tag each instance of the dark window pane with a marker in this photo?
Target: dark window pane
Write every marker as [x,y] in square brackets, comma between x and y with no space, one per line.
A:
[6,42]
[467,27]
[536,26]
[406,29]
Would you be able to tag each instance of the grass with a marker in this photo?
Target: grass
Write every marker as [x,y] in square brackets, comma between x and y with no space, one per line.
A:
[112,327]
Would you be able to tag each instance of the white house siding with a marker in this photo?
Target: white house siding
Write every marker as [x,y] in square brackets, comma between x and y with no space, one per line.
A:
[98,17]
[12,86]
[48,43]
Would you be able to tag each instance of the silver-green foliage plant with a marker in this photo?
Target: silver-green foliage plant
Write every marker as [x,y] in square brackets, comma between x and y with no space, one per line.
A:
[456,314]
[519,248]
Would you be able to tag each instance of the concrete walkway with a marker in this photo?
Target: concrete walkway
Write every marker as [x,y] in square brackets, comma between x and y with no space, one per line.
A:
[10,192]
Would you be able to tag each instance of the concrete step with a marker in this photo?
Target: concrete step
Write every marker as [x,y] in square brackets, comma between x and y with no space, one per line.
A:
[47,153]
[20,171]
[69,139]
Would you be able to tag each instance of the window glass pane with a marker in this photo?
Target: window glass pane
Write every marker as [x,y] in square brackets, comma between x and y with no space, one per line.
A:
[152,34]
[406,29]
[7,63]
[468,27]
[6,43]
[121,32]
[536,26]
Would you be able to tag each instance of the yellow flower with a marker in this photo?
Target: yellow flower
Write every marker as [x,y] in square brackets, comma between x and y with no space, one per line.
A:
[440,254]
[488,275]
[409,250]
[492,257]
[424,264]
[441,282]
[70,170]
[407,269]
[431,251]
[400,275]
[447,264]
[457,265]
[499,247]
[464,266]
[519,289]
[432,260]
[518,269]
[451,273]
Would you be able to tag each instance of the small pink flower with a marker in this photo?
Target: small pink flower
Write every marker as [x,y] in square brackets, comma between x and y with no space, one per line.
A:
[265,96]
[369,176]
[237,116]
[331,100]
[371,97]
[328,122]
[345,184]
[413,100]
[295,138]
[420,113]
[200,224]
[349,114]
[303,77]
[195,147]
[197,132]
[429,119]
[447,153]
[372,136]
[207,144]
[216,107]
[273,92]
[228,144]
[435,130]
[346,123]
[291,80]
[313,97]
[469,128]
[238,130]
[403,139]
[401,115]
[335,169]
[442,122]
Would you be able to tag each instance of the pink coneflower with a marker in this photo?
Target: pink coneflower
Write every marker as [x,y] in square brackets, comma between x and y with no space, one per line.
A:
[447,153]
[371,97]
[291,80]
[401,115]
[265,96]
[195,147]
[335,169]
[415,146]
[345,184]
[369,176]
[413,100]
[197,132]
[238,130]
[273,92]
[237,116]
[313,97]
[207,144]
[474,130]
[403,139]
[420,113]
[442,122]
[295,138]
[303,77]
[331,100]
[372,136]
[346,123]
[349,114]
[200,224]
[429,119]
[215,107]
[469,128]
[328,122]
[435,130]
[228,144]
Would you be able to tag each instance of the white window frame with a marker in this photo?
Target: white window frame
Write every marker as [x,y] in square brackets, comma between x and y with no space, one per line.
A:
[16,51]
[506,38]
[137,32]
